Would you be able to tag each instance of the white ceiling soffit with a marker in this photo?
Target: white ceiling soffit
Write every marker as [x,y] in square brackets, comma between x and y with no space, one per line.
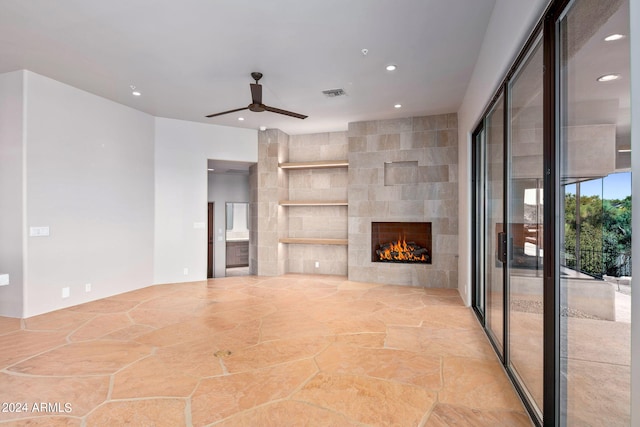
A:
[194,57]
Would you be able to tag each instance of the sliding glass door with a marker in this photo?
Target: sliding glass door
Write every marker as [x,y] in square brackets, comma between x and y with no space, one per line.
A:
[525,201]
[494,237]
[595,215]
[552,217]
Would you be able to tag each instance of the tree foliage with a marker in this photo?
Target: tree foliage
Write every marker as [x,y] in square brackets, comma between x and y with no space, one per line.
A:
[605,233]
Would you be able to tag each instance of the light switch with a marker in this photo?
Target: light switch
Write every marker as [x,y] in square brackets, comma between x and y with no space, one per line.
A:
[4,279]
[38,231]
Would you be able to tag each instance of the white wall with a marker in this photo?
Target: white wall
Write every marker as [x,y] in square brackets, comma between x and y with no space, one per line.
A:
[89,178]
[511,23]
[181,152]
[11,200]
[635,168]
[222,189]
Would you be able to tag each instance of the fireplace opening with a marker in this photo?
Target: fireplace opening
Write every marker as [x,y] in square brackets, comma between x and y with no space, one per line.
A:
[401,242]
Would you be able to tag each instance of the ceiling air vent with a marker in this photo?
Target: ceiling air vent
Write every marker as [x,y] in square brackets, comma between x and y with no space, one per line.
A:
[332,93]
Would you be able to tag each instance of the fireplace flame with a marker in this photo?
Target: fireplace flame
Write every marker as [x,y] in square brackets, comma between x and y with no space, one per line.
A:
[400,251]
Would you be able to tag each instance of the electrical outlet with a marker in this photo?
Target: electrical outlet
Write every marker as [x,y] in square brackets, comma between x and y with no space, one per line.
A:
[4,279]
[185,271]
[87,287]
[317,264]
[66,292]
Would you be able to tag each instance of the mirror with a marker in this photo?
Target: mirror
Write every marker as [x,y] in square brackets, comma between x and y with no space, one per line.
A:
[237,222]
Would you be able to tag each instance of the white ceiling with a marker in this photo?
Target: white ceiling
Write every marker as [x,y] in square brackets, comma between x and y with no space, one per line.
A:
[191,58]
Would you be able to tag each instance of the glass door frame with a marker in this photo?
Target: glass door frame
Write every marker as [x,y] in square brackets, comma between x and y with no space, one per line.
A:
[548,26]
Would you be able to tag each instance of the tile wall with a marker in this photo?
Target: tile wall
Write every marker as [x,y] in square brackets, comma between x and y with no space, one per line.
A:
[424,187]
[420,157]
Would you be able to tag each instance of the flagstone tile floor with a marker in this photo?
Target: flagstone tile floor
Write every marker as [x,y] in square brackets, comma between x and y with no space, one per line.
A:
[293,350]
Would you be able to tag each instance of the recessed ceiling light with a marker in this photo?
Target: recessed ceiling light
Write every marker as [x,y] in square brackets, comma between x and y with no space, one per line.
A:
[613,37]
[391,67]
[210,169]
[136,93]
[608,77]
[241,118]
[397,106]
[624,149]
[263,128]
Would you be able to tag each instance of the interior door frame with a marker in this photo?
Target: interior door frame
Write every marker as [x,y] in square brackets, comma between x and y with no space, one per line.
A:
[210,240]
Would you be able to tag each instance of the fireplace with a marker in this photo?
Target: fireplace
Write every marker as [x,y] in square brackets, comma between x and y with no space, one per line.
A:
[401,242]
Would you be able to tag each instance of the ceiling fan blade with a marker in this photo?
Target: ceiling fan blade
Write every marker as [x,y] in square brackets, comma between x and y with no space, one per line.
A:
[285,112]
[227,112]
[256,93]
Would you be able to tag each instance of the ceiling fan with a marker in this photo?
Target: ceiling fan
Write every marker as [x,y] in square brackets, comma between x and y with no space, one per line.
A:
[256,102]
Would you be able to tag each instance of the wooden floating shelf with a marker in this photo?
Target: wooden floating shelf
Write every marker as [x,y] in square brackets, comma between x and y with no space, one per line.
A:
[315,165]
[307,241]
[313,203]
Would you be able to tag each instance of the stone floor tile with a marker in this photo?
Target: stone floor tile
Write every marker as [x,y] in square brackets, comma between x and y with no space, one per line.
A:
[440,342]
[147,293]
[9,324]
[55,421]
[450,415]
[222,396]
[158,318]
[82,394]
[176,303]
[84,358]
[477,384]
[105,305]
[101,325]
[355,325]
[19,345]
[395,365]
[447,300]
[151,412]
[185,331]
[274,352]
[129,333]
[366,339]
[368,400]
[436,316]
[62,320]
[288,414]
[260,351]
[291,324]
[141,379]
[242,315]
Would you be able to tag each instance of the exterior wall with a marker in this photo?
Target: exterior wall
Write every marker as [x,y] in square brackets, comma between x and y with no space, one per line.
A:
[431,141]
[12,192]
